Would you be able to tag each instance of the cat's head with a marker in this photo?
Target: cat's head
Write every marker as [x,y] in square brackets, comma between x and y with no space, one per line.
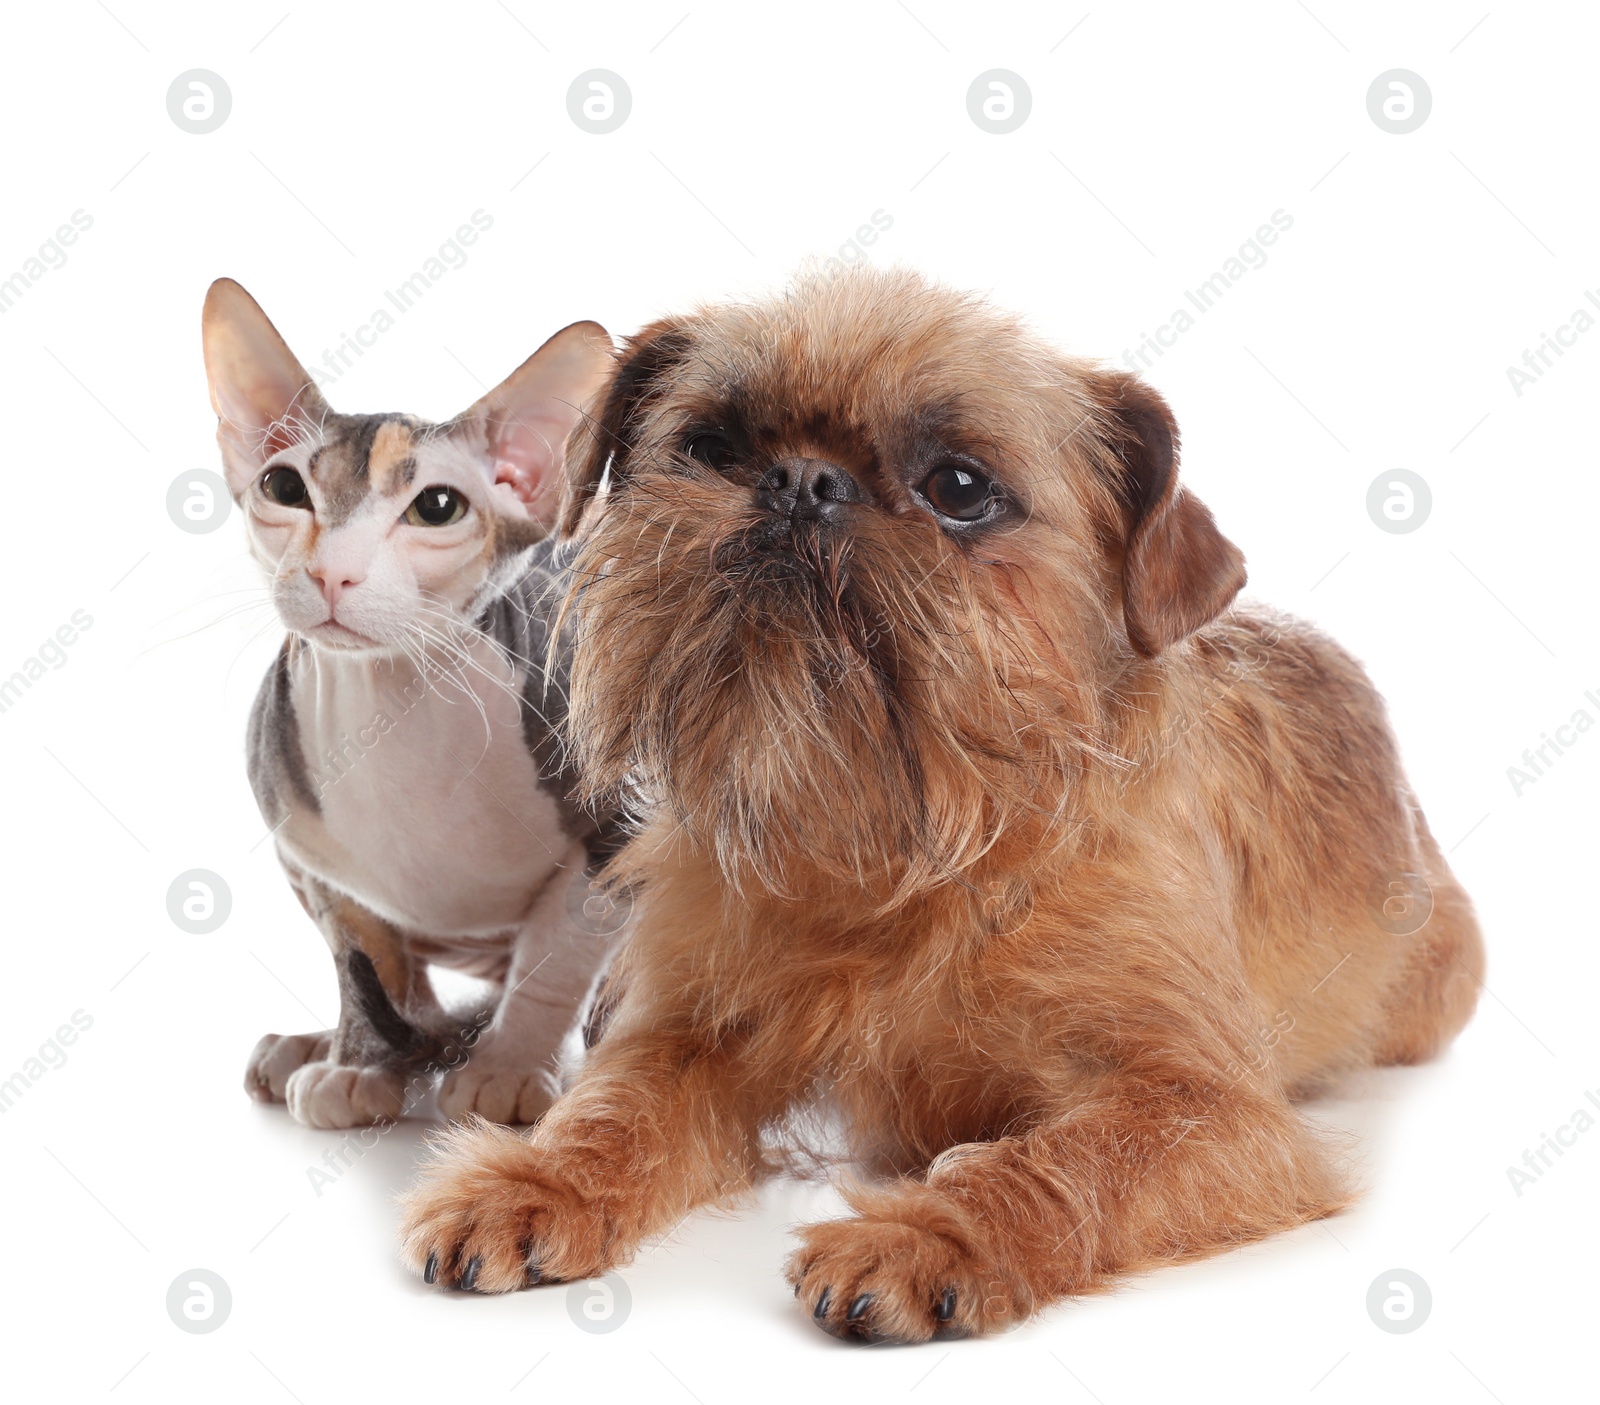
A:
[377,528]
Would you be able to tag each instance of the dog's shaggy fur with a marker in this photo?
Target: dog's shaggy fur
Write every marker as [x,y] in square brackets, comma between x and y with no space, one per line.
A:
[1057,872]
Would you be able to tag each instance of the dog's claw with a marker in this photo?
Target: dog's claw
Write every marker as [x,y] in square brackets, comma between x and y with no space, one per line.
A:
[469,1275]
[430,1270]
[947,1305]
[823,1302]
[858,1309]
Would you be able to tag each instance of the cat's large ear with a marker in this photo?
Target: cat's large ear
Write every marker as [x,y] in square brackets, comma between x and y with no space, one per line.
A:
[1178,571]
[263,397]
[531,414]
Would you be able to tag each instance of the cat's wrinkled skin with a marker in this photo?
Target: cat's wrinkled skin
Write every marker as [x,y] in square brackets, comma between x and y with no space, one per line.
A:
[404,745]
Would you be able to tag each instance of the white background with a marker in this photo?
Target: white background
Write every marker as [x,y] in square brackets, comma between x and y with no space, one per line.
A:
[1377,336]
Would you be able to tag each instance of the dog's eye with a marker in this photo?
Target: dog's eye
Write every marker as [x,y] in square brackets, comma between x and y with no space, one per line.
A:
[711,448]
[957,491]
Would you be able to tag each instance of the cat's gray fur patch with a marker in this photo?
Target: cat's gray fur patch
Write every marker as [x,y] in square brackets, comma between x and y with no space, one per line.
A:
[520,620]
[276,763]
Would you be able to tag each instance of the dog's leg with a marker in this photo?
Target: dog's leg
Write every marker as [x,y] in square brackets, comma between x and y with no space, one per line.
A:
[657,1122]
[1144,1170]
[512,1072]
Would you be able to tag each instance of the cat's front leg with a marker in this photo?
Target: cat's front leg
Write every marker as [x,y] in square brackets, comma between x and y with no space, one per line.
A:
[276,1057]
[357,1073]
[512,1073]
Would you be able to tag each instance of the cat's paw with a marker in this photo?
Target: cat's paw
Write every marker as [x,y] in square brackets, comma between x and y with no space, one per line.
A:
[276,1056]
[894,1281]
[330,1095]
[496,1095]
[493,1213]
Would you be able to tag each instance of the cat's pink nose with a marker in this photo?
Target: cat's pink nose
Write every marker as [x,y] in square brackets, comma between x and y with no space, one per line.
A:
[333,581]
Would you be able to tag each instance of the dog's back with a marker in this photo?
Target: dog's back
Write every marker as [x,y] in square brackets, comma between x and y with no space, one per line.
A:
[1358,942]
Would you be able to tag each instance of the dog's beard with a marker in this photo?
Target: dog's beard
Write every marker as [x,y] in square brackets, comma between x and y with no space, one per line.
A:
[814,706]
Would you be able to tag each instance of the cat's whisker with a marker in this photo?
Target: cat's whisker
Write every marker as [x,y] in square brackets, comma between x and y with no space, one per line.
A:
[259,592]
[417,656]
[232,612]
[453,662]
[465,662]
[455,624]
[246,647]
[453,628]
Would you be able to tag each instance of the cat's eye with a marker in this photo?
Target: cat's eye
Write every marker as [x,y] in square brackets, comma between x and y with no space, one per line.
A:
[958,492]
[712,448]
[285,487]
[436,506]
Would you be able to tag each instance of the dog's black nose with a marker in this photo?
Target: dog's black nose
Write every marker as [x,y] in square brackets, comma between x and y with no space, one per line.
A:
[811,490]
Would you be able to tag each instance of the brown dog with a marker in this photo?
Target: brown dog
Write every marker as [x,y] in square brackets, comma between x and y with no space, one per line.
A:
[968,800]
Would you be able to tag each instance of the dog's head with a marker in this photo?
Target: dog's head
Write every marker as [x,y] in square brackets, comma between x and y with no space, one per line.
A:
[857,566]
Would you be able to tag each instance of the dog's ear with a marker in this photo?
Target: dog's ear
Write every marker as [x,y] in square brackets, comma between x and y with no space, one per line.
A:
[1178,571]
[607,437]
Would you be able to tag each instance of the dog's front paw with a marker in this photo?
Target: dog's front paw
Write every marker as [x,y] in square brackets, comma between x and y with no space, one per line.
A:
[497,1095]
[276,1056]
[330,1095]
[494,1213]
[895,1281]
